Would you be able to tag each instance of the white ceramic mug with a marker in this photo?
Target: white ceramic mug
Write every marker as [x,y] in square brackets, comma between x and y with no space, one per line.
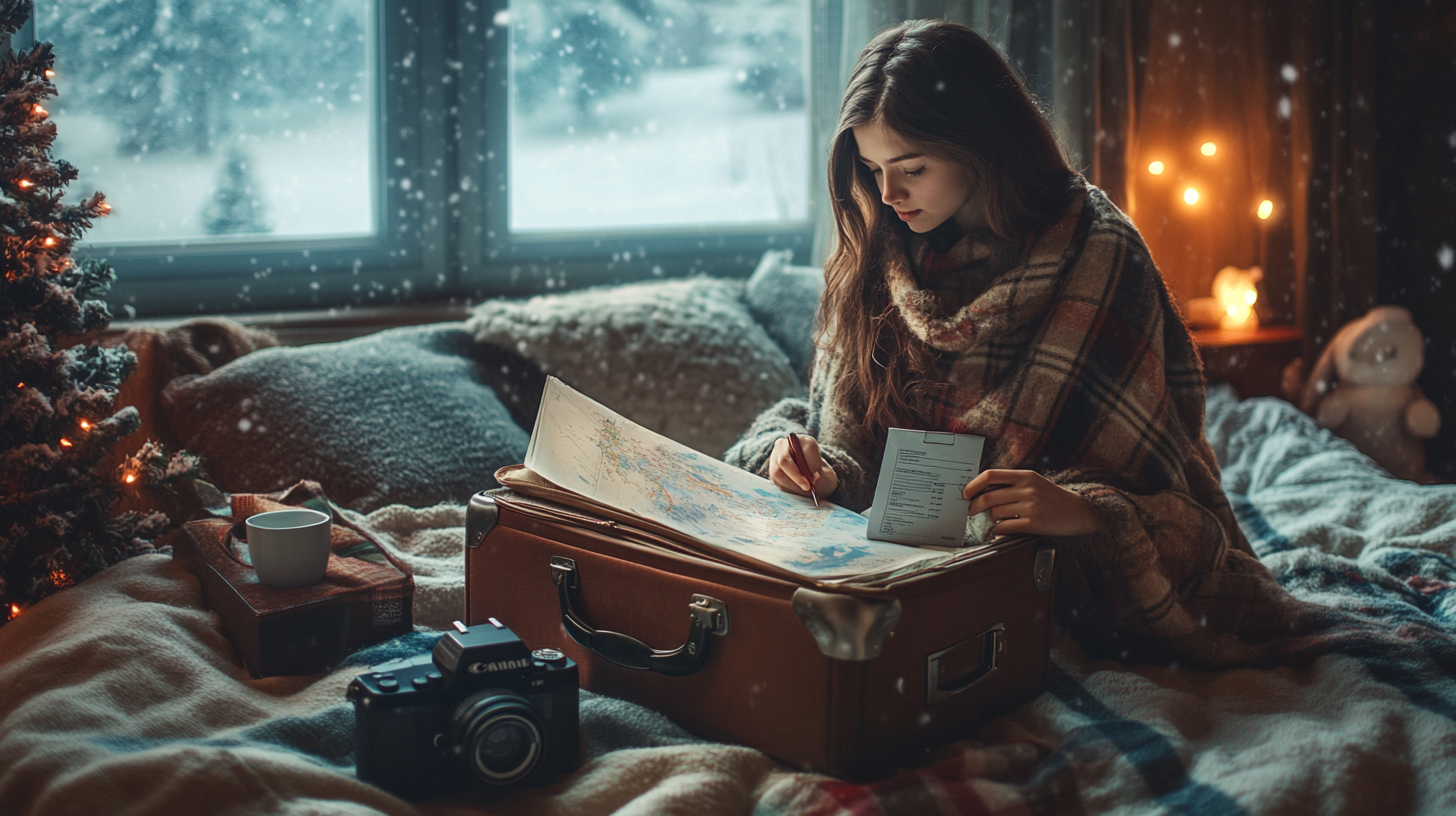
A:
[289,548]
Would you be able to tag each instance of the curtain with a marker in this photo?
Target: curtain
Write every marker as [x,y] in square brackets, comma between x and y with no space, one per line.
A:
[1285,92]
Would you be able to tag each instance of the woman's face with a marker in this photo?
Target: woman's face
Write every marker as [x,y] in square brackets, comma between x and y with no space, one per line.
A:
[924,191]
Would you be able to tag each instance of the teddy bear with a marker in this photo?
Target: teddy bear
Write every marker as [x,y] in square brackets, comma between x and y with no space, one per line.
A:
[1364,389]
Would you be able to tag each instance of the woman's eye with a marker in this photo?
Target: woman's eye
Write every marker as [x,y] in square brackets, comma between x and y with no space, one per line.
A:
[917,171]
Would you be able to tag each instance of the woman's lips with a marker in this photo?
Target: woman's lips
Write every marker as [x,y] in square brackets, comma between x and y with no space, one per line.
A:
[906,215]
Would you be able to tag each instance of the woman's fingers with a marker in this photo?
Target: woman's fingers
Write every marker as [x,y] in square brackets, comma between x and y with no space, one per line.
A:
[789,477]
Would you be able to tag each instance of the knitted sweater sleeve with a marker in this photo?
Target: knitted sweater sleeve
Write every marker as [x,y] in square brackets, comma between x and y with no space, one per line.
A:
[845,447]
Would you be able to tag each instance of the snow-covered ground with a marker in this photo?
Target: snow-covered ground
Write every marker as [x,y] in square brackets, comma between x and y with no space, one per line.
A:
[685,149]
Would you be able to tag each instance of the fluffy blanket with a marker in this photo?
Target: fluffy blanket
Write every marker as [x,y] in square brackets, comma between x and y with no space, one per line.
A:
[121,695]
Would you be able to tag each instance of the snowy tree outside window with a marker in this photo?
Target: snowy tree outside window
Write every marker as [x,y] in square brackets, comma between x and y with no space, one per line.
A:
[232,118]
[631,115]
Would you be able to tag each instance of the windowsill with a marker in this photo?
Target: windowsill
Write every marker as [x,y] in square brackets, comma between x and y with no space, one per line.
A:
[297,328]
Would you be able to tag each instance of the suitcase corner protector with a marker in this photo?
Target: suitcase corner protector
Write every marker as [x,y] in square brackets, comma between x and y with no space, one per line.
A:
[480,518]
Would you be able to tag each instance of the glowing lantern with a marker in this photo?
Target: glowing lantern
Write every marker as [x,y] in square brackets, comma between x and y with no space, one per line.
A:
[1266,209]
[1190,196]
[1156,168]
[1208,148]
[1236,291]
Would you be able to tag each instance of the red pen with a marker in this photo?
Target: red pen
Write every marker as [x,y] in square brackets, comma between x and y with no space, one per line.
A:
[803,465]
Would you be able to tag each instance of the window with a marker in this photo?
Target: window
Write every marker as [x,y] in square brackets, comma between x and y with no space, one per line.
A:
[265,155]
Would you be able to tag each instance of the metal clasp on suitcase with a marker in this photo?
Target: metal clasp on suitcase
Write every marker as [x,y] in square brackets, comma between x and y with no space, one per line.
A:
[708,616]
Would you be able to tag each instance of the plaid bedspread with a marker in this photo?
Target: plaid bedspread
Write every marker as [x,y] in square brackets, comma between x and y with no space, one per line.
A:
[122,695]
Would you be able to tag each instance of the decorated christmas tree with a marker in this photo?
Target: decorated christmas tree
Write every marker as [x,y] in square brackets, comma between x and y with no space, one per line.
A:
[57,423]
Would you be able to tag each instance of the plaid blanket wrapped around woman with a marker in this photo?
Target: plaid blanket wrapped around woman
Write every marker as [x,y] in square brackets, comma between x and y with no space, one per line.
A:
[1067,354]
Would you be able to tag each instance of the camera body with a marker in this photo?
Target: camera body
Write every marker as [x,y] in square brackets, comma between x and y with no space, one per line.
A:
[480,708]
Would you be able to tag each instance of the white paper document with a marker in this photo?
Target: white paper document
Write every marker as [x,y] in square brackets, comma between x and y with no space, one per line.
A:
[584,447]
[918,498]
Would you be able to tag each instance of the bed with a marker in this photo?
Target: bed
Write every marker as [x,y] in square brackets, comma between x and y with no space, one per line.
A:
[123,695]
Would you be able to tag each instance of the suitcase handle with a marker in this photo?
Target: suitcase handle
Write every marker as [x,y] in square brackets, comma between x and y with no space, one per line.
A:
[946,662]
[708,616]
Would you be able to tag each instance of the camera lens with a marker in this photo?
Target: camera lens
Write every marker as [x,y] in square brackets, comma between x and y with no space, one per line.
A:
[497,735]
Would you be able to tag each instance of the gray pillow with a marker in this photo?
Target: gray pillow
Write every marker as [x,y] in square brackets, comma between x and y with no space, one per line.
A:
[785,299]
[405,416]
[682,357]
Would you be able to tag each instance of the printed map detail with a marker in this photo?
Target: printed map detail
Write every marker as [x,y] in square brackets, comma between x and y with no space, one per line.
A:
[581,446]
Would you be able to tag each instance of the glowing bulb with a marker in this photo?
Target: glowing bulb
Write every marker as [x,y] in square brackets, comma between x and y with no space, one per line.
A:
[1190,196]
[14,611]
[105,208]
[50,242]
[40,111]
[1208,148]
[23,183]
[1266,209]
[85,426]
[20,385]
[129,478]
[65,443]
[1156,168]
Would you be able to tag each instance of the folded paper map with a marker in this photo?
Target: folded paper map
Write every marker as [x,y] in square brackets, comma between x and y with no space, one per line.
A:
[583,447]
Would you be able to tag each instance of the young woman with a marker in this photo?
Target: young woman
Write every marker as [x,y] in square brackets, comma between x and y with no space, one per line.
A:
[981,286]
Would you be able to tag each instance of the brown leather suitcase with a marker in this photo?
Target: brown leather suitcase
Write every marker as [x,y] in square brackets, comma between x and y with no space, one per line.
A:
[831,678]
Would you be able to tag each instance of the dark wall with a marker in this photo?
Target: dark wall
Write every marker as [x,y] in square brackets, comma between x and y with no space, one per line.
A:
[1416,148]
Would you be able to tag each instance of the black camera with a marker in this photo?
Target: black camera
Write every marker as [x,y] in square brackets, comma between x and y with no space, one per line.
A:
[481,708]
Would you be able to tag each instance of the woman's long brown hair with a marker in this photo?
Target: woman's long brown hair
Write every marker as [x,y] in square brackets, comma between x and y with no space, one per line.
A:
[950,94]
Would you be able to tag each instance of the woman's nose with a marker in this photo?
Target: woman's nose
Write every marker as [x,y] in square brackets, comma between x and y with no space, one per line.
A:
[892,192]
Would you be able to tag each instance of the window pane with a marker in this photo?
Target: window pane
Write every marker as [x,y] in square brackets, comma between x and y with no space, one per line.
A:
[209,118]
[632,114]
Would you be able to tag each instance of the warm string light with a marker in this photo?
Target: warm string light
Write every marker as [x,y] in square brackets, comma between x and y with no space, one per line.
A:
[1156,168]
[40,111]
[50,242]
[1190,196]
[85,426]
[1208,148]
[1266,209]
[24,184]
[129,478]
[14,611]
[50,74]
[65,443]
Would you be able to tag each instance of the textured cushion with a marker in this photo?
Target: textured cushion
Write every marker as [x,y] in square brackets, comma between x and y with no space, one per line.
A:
[784,299]
[403,416]
[682,357]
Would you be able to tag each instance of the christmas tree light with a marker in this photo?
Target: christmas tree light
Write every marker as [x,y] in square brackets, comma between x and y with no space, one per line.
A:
[57,422]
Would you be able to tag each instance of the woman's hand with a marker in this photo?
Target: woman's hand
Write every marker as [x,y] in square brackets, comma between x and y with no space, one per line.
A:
[1024,501]
[783,472]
